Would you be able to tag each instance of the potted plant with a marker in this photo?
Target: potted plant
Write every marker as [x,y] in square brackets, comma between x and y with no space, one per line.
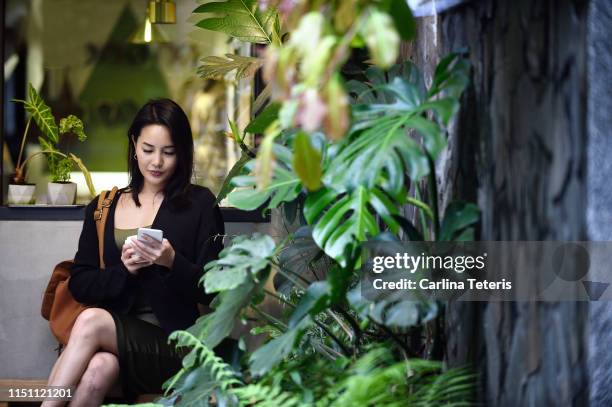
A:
[60,190]
[20,192]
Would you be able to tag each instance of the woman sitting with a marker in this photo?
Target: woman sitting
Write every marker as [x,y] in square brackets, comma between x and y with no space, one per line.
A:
[148,288]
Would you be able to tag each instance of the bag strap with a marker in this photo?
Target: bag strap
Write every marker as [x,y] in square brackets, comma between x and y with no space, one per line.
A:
[100,214]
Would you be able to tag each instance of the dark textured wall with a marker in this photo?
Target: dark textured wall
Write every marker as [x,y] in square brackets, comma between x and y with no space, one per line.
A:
[518,149]
[599,192]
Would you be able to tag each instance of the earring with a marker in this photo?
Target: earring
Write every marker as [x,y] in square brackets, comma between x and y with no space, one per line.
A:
[135,157]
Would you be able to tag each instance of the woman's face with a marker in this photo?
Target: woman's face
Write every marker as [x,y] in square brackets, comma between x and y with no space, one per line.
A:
[156,155]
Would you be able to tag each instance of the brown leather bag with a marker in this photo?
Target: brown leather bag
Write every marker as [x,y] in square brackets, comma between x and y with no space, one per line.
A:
[58,306]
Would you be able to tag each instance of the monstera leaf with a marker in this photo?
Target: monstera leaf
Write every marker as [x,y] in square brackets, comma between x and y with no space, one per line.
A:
[243,260]
[342,222]
[239,276]
[380,150]
[241,19]
[283,187]
[381,155]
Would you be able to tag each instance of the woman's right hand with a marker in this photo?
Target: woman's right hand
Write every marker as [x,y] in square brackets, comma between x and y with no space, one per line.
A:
[131,260]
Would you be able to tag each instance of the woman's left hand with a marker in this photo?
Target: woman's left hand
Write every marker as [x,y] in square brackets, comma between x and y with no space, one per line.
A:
[156,252]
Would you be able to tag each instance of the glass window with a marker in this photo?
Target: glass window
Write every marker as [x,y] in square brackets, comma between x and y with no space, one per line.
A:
[81,57]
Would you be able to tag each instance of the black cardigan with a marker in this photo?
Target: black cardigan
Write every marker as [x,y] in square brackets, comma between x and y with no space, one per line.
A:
[173,294]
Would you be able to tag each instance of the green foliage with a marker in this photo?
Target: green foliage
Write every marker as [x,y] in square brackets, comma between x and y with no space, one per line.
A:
[202,373]
[60,169]
[237,169]
[341,170]
[342,222]
[41,113]
[60,164]
[214,67]
[284,186]
[263,120]
[376,380]
[379,152]
[457,218]
[241,19]
[404,22]
[228,305]
[239,276]
[273,352]
[72,124]
[241,261]
[307,162]
[258,395]
[392,311]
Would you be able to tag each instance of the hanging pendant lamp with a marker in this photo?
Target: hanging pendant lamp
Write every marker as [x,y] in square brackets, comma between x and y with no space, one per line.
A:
[162,12]
[148,33]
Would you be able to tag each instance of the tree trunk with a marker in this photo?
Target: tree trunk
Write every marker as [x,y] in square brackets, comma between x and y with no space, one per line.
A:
[518,149]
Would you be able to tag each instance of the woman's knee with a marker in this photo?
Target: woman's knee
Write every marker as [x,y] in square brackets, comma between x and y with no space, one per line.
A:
[91,323]
[101,373]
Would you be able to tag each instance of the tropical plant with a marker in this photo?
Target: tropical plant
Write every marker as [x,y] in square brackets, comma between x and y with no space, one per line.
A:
[60,164]
[338,158]
[326,316]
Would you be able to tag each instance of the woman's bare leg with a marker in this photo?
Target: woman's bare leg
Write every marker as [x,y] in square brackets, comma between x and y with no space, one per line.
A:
[102,372]
[56,366]
[93,331]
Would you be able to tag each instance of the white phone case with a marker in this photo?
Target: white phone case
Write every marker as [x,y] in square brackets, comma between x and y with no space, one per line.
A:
[156,234]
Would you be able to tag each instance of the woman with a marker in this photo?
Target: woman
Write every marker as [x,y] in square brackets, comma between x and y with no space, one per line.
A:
[148,289]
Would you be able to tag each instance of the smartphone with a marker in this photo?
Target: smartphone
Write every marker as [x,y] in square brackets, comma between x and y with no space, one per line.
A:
[156,234]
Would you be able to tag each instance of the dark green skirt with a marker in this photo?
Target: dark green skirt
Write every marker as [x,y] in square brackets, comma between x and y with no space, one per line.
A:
[146,360]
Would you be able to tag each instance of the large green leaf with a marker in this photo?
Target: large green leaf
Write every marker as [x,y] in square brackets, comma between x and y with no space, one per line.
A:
[41,113]
[380,150]
[202,373]
[341,222]
[247,260]
[404,21]
[392,310]
[457,217]
[307,161]
[273,352]
[216,326]
[451,76]
[261,122]
[302,257]
[237,169]
[284,186]
[380,155]
[242,260]
[218,67]
[312,302]
[241,19]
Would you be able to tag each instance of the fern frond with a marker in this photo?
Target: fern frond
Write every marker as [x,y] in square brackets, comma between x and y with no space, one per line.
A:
[258,395]
[203,357]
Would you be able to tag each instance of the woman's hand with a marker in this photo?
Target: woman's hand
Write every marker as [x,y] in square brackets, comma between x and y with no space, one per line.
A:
[155,252]
[130,258]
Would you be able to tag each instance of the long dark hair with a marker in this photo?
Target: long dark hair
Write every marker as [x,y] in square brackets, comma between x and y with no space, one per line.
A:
[167,113]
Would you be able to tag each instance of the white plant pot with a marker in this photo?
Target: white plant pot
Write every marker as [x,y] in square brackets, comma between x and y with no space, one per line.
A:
[61,193]
[19,194]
